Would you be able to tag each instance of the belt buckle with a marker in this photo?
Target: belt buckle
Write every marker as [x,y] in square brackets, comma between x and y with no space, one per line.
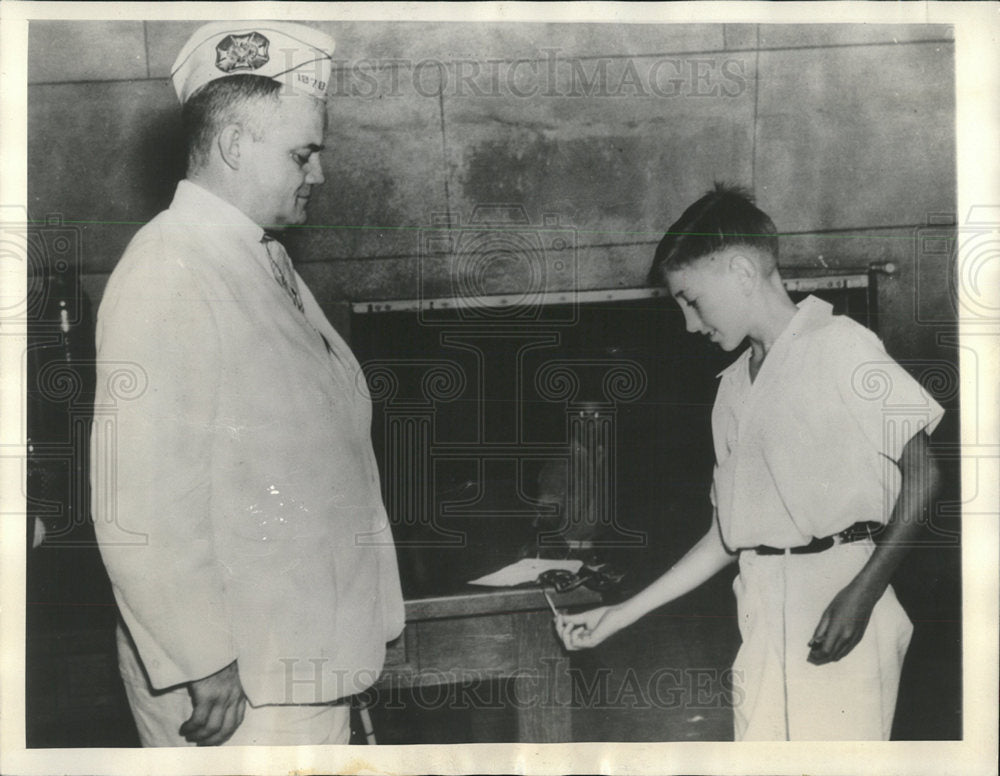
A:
[855,533]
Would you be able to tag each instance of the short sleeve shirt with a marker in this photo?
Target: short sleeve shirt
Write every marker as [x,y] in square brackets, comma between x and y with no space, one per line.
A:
[810,446]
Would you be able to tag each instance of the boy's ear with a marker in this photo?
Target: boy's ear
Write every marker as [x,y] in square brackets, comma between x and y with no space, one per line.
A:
[746,270]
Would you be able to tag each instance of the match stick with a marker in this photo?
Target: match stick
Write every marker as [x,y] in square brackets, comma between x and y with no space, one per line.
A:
[552,606]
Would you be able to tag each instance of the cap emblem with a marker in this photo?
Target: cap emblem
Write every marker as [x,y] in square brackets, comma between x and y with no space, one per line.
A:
[242,52]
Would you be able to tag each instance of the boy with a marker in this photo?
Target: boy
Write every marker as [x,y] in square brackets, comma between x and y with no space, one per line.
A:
[819,437]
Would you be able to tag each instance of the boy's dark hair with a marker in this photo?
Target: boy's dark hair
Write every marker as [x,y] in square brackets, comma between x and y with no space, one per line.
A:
[725,217]
[239,99]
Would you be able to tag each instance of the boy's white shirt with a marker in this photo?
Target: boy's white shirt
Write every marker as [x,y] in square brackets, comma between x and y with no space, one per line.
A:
[810,446]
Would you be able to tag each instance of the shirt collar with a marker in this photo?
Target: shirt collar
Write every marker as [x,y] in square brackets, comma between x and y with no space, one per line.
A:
[204,208]
[812,313]
[740,359]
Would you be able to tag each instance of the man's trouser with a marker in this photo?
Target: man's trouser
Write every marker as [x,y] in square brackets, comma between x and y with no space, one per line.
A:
[159,714]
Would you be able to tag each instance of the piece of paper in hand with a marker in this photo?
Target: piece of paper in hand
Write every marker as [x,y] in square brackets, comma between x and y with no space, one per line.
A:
[526,570]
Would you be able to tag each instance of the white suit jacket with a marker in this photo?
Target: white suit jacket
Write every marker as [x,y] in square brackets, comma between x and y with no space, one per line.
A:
[236,495]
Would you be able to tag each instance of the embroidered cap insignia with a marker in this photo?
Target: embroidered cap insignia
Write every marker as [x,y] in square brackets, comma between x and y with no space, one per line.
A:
[242,52]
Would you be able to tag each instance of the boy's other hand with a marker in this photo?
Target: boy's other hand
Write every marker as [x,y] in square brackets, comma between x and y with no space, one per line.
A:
[842,625]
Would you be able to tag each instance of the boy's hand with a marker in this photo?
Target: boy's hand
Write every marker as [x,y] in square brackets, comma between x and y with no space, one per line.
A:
[587,629]
[843,624]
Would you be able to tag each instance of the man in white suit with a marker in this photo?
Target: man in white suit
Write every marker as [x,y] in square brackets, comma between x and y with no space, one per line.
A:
[265,586]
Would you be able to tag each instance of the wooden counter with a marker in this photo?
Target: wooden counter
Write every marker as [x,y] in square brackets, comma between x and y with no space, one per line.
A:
[492,634]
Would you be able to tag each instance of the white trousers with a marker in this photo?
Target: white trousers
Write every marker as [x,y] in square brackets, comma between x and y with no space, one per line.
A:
[159,714]
[778,694]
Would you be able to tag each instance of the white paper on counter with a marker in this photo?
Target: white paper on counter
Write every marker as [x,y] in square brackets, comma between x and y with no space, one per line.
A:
[526,570]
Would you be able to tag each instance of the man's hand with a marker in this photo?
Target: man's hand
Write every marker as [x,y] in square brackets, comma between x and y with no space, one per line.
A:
[219,704]
[843,623]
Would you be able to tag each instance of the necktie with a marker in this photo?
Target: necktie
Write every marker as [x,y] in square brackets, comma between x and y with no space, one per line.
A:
[281,268]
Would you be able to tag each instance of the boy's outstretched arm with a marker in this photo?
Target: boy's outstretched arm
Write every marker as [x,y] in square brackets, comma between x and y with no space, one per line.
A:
[588,629]
[845,619]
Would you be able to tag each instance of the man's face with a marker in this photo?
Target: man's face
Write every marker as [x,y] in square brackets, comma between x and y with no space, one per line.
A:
[280,169]
[708,294]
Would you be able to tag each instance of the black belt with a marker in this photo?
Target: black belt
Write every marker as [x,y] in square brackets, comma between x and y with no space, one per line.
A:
[850,534]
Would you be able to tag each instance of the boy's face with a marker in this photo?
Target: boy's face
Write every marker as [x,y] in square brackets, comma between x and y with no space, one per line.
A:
[711,299]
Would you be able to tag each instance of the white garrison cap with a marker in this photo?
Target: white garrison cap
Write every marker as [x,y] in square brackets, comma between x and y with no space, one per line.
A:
[292,54]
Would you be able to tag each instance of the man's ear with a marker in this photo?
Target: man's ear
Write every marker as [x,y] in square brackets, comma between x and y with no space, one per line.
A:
[228,142]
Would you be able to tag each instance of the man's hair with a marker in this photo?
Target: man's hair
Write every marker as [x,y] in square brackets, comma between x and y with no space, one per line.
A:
[247,100]
[724,218]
